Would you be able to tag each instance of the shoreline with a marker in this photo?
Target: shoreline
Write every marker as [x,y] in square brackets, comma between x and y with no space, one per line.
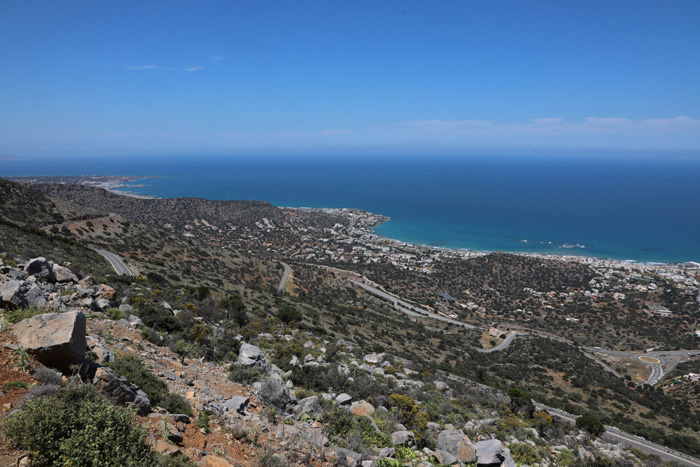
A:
[118,184]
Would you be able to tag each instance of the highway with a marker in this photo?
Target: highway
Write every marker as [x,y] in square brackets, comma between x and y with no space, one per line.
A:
[117,263]
[285,277]
[506,342]
[612,434]
[410,309]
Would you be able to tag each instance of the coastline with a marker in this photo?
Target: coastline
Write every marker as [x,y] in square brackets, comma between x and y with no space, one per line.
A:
[121,185]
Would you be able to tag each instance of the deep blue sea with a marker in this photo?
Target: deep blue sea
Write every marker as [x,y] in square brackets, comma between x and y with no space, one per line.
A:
[644,209]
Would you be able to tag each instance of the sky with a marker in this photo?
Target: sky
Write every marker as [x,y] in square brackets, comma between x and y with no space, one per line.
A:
[142,77]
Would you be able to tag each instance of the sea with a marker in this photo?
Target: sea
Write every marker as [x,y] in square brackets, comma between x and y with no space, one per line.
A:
[635,208]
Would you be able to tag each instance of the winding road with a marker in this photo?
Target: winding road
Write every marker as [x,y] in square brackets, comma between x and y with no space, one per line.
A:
[285,277]
[119,266]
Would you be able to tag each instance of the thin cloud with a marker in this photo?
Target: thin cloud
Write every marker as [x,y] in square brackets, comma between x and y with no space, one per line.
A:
[143,67]
[195,68]
[218,58]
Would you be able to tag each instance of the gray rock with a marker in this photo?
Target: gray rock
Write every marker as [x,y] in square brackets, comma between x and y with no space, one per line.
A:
[180,417]
[274,392]
[343,399]
[237,404]
[294,361]
[34,296]
[120,390]
[101,304]
[351,457]
[489,452]
[456,443]
[168,375]
[400,438]
[55,339]
[11,295]
[103,354]
[387,452]
[134,321]
[250,355]
[310,406]
[309,358]
[126,309]
[445,458]
[374,358]
[64,274]
[39,267]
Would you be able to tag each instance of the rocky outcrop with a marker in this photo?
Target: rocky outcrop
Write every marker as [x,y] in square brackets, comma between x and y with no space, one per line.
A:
[274,392]
[362,408]
[120,390]
[400,438]
[251,356]
[310,406]
[55,339]
[456,443]
[39,267]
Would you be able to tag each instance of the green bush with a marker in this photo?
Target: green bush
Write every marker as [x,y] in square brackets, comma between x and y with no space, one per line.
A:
[590,424]
[289,314]
[244,374]
[131,368]
[15,316]
[78,426]
[203,420]
[523,453]
[16,385]
[203,292]
[115,314]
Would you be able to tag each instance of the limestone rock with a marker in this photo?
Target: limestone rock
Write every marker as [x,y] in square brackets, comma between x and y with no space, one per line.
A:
[64,274]
[309,405]
[400,438]
[343,399]
[489,452]
[237,404]
[55,339]
[250,355]
[445,458]
[274,392]
[362,408]
[11,295]
[120,390]
[106,292]
[39,267]
[456,443]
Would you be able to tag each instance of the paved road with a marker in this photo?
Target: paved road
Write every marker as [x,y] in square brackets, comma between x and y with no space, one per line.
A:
[410,309]
[665,357]
[117,263]
[506,342]
[612,434]
[285,277]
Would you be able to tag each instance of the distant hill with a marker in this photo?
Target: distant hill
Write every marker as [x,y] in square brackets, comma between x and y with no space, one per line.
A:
[185,210]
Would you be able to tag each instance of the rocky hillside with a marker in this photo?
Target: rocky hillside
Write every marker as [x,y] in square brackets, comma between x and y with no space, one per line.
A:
[279,396]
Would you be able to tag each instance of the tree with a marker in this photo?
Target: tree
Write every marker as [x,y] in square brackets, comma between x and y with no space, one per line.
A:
[203,292]
[590,424]
[520,401]
[234,308]
[289,314]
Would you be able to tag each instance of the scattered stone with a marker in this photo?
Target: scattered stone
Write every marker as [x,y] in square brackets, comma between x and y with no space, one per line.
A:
[120,390]
[55,339]
[274,392]
[106,292]
[400,438]
[310,406]
[237,404]
[445,458]
[180,418]
[374,358]
[63,274]
[250,355]
[362,408]
[456,443]
[387,452]
[343,399]
[39,267]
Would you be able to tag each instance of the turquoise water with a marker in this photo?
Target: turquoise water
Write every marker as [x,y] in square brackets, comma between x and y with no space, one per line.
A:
[644,209]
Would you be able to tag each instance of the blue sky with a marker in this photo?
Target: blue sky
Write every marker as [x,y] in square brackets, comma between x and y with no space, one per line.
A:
[242,77]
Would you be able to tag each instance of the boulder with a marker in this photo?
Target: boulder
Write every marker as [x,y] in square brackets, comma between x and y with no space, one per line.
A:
[456,443]
[374,358]
[489,452]
[101,304]
[39,267]
[400,438]
[250,355]
[343,399]
[362,408]
[11,295]
[126,309]
[103,354]
[387,452]
[274,392]
[349,456]
[55,339]
[106,292]
[63,274]
[33,295]
[237,404]
[120,390]
[309,405]
[445,458]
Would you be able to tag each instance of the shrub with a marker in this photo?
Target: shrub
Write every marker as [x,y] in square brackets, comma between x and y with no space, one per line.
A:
[17,315]
[244,374]
[115,314]
[203,292]
[16,385]
[203,420]
[523,453]
[131,368]
[289,314]
[78,426]
[590,424]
